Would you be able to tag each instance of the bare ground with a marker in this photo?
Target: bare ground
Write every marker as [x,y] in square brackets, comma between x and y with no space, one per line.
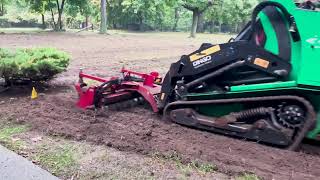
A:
[138,130]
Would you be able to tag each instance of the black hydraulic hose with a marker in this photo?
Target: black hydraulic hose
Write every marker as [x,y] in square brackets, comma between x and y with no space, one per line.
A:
[100,89]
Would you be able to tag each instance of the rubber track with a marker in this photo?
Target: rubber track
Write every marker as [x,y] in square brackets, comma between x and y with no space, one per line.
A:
[308,125]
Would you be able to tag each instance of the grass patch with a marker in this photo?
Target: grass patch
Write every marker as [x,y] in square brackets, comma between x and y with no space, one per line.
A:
[7,133]
[248,176]
[57,160]
[203,167]
[186,168]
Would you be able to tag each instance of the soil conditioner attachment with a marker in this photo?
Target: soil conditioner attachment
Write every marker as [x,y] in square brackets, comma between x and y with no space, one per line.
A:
[263,85]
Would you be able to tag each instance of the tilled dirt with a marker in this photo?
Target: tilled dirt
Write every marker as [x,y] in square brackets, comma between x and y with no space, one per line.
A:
[141,131]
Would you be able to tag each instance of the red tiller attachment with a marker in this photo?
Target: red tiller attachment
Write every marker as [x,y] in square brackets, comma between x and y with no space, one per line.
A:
[117,89]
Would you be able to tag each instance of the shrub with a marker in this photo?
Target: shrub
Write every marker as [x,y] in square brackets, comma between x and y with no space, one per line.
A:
[36,64]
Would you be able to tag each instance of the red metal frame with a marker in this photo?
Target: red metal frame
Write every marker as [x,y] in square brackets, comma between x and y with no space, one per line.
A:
[147,89]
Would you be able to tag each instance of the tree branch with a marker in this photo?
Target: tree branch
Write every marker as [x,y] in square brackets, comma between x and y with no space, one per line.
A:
[62,5]
[190,8]
[58,5]
[210,3]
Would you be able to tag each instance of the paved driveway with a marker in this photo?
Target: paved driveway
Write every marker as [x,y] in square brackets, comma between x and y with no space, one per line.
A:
[15,167]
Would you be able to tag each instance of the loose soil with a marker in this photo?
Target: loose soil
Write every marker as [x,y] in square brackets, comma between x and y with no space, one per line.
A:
[137,129]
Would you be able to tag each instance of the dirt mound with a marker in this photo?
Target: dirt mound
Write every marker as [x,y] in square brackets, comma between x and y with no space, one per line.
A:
[142,131]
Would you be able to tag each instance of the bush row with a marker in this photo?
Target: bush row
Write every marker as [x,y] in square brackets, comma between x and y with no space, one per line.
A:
[35,64]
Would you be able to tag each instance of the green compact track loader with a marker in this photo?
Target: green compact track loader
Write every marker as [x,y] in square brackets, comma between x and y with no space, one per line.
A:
[263,85]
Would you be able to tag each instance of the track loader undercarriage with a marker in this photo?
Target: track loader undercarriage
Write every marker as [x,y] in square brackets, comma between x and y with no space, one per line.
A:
[260,86]
[277,120]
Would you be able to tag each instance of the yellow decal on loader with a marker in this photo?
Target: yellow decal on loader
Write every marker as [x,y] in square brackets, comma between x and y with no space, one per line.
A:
[261,62]
[205,53]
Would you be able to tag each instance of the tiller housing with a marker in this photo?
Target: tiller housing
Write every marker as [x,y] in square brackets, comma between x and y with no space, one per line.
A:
[130,86]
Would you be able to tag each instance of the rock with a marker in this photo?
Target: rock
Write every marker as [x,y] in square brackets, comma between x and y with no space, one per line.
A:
[149,133]
[42,94]
[109,144]
[36,139]
[79,137]
[12,99]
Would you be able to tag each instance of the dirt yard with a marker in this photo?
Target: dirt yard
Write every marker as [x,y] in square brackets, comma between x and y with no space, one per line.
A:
[137,132]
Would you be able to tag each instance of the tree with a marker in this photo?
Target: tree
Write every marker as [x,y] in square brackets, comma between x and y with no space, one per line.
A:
[197,7]
[234,13]
[103,25]
[57,5]
[147,11]
[60,6]
[2,6]
[80,8]
[116,16]
[176,18]
[78,5]
[140,11]
[40,7]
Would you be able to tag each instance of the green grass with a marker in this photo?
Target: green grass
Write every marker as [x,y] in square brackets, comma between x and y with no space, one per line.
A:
[7,133]
[247,176]
[186,168]
[57,160]
[203,167]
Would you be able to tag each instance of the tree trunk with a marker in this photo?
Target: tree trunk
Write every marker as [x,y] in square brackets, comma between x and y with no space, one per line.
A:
[200,28]
[141,26]
[2,9]
[103,24]
[212,25]
[160,24]
[43,22]
[176,19]
[195,19]
[114,25]
[53,20]
[236,28]
[60,12]
[220,27]
[87,21]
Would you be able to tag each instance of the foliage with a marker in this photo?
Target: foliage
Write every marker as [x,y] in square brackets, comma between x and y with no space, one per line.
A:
[231,12]
[199,4]
[3,3]
[162,15]
[36,64]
